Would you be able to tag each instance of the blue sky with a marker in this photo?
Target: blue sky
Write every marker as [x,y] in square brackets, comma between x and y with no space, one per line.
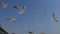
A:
[27,20]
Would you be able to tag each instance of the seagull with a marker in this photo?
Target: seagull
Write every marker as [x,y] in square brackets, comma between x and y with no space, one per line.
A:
[11,19]
[20,10]
[4,5]
[54,17]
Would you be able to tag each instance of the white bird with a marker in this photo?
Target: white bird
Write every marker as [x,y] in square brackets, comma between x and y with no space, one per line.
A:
[20,10]
[4,5]
[54,17]
[11,19]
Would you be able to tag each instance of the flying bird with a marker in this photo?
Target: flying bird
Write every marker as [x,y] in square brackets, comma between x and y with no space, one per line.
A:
[4,5]
[11,19]
[20,10]
[54,17]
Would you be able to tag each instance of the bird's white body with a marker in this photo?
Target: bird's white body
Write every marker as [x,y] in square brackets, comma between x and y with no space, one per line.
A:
[11,19]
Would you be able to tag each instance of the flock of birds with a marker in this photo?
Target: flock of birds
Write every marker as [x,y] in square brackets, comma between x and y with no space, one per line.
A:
[20,10]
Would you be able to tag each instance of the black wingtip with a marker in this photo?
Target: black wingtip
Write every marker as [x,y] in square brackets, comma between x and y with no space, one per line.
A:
[15,6]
